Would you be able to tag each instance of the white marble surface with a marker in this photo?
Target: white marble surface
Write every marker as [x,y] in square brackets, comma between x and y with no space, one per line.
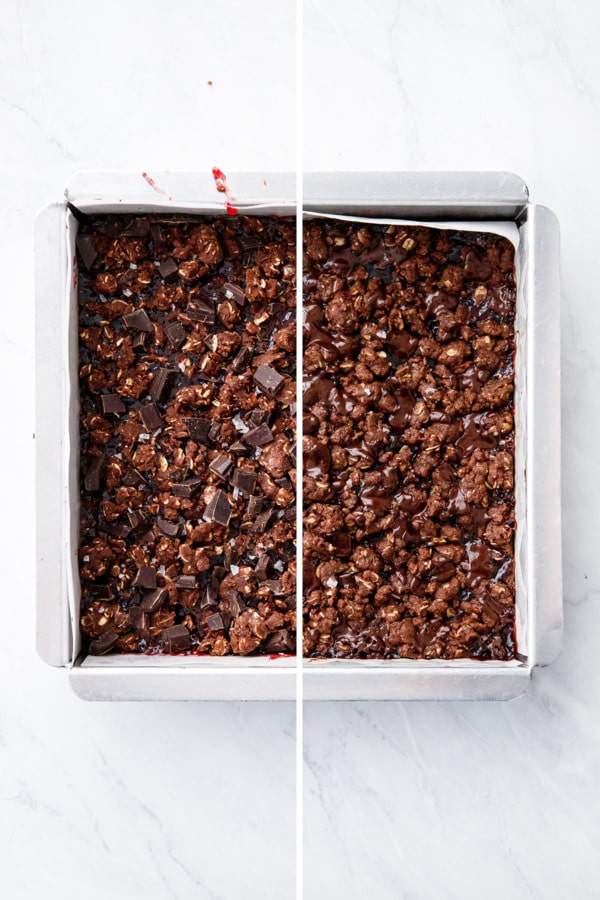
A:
[153,801]
[438,801]
[416,801]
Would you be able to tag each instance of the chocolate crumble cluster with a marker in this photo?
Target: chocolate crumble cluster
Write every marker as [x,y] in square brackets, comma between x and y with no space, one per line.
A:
[409,442]
[187,368]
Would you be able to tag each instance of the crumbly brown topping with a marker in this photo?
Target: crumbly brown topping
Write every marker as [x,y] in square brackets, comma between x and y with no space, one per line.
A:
[409,442]
[187,372]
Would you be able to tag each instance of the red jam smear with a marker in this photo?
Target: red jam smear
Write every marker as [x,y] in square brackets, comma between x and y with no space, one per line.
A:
[153,184]
[221,185]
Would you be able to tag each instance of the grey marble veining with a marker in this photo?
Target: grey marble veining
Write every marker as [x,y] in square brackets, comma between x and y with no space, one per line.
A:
[160,801]
[432,801]
[406,801]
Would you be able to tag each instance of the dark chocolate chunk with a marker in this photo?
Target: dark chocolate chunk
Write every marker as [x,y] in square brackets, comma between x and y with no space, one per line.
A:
[209,597]
[99,591]
[215,622]
[149,537]
[171,529]
[233,292]
[175,639]
[264,567]
[346,580]
[220,465]
[115,529]
[140,620]
[257,417]
[103,644]
[87,250]
[258,437]
[112,403]
[137,521]
[138,320]
[111,226]
[241,360]
[166,268]
[145,578]
[218,509]
[157,235]
[139,340]
[249,241]
[197,428]
[225,615]
[230,558]
[138,227]
[133,478]
[218,574]
[238,447]
[255,505]
[186,488]
[261,523]
[280,642]
[201,311]
[176,333]
[187,582]
[154,600]
[245,481]
[268,380]
[212,293]
[160,389]
[233,603]
[151,417]
[214,432]
[91,479]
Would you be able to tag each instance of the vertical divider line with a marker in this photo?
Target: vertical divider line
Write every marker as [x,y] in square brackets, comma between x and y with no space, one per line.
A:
[299,587]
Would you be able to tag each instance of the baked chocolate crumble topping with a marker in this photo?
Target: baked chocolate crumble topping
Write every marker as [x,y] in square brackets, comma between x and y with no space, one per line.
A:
[408,442]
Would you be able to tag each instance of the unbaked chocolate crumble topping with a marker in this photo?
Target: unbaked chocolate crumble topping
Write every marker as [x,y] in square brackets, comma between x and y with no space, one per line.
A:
[408,442]
[187,387]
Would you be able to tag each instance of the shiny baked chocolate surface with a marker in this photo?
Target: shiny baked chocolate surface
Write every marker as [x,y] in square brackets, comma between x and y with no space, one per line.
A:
[187,386]
[408,442]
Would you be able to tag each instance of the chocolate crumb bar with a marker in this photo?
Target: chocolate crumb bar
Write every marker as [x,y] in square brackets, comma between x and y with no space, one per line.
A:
[187,391]
[409,442]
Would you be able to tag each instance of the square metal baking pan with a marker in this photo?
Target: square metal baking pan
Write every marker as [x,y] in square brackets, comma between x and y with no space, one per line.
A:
[471,197]
[430,197]
[123,677]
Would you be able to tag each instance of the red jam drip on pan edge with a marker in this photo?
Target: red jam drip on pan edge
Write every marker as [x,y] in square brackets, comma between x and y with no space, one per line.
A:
[221,184]
[153,184]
